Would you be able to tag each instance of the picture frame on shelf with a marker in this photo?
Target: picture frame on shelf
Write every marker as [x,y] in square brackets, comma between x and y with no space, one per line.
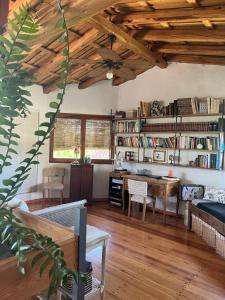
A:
[159,156]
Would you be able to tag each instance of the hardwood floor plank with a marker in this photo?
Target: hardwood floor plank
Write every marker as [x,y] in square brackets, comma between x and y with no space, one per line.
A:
[151,261]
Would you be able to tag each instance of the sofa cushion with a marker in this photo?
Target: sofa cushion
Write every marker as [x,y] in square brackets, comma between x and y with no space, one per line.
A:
[215,209]
[214,194]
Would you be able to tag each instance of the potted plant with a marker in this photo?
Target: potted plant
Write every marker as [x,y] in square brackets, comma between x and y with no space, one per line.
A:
[15,104]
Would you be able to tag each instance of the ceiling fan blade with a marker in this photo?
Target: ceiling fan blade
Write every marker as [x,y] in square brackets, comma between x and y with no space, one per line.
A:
[125,73]
[134,63]
[108,54]
[95,72]
[80,61]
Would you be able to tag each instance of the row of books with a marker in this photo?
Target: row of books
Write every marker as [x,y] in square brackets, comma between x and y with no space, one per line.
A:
[209,161]
[186,106]
[189,142]
[179,127]
[154,142]
[131,141]
[181,142]
[127,126]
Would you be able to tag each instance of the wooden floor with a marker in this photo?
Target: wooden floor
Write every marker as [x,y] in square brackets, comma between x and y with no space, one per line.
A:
[155,261]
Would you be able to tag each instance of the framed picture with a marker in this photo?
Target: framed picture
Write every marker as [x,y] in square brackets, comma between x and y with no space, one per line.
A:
[191,191]
[159,156]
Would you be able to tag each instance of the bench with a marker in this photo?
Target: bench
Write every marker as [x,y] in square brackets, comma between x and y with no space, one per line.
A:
[207,218]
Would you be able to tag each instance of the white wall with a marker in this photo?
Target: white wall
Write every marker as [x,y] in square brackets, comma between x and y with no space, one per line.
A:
[99,99]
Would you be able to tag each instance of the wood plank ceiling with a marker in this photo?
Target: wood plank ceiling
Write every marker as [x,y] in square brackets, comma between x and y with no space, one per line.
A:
[156,31]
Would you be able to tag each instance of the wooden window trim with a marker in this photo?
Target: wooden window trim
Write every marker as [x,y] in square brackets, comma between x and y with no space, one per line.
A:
[83,118]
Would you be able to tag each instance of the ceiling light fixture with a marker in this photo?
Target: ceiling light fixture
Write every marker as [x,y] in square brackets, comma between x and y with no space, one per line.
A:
[109,75]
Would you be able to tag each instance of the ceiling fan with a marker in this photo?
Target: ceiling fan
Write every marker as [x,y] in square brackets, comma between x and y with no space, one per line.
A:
[112,64]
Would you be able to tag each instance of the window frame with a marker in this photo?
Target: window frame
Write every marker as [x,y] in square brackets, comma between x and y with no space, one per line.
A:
[83,118]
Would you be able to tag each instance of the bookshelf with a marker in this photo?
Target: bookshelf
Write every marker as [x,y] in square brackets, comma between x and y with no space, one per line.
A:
[209,136]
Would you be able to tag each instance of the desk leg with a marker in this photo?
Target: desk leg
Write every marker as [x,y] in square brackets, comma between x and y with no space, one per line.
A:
[123,199]
[177,205]
[103,270]
[165,200]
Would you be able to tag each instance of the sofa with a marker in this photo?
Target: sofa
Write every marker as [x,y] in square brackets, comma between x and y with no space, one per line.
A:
[206,217]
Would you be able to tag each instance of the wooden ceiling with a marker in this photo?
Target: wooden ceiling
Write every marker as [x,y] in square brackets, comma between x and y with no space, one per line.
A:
[156,31]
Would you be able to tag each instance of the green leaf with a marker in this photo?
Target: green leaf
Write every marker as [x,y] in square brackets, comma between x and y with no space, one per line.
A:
[37,258]
[50,115]
[65,52]
[15,135]
[6,41]
[13,25]
[35,162]
[40,133]
[59,96]
[45,265]
[12,151]
[21,270]
[54,105]
[17,57]
[2,157]
[20,169]
[45,124]
[4,190]
[3,51]
[3,132]
[32,151]
[22,46]
[14,143]
[8,182]
[27,37]
[29,29]
[13,66]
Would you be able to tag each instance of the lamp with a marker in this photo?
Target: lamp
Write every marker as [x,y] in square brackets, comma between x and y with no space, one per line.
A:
[109,75]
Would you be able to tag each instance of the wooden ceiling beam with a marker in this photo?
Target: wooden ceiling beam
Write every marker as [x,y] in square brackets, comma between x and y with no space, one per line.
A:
[192,50]
[76,45]
[77,13]
[196,59]
[172,14]
[182,35]
[125,39]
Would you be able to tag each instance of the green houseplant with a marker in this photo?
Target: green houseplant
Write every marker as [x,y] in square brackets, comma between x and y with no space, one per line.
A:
[15,104]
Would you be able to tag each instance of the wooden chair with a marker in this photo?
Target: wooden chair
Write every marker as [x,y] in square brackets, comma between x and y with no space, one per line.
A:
[55,181]
[138,192]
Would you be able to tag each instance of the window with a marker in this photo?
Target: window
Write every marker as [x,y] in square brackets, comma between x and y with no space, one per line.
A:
[79,136]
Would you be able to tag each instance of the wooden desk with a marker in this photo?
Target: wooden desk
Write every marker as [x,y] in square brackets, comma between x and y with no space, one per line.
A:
[160,188]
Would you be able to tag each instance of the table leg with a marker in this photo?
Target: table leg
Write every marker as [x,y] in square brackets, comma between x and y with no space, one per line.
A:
[103,270]
[165,200]
[177,204]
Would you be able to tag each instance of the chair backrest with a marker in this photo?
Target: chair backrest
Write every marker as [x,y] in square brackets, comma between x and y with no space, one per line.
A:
[54,173]
[137,187]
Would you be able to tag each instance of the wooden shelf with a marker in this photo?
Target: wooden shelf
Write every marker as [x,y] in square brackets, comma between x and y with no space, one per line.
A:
[169,117]
[178,132]
[170,165]
[162,148]
[127,133]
